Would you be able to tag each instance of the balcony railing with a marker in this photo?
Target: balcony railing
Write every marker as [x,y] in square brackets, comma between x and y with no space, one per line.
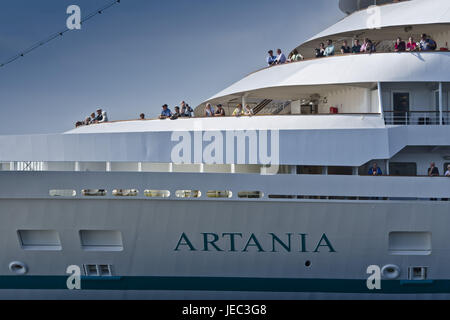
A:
[416,117]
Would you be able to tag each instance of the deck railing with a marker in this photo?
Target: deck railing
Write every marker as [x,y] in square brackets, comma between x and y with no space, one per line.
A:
[416,117]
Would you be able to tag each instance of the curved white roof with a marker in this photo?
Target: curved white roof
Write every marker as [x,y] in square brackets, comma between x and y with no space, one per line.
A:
[348,69]
[414,12]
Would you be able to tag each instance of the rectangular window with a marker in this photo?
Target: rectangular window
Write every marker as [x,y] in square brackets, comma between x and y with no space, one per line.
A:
[39,240]
[410,243]
[219,194]
[188,194]
[62,193]
[125,192]
[405,169]
[101,240]
[157,193]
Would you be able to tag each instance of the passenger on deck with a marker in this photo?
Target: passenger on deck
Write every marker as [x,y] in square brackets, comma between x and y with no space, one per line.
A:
[165,113]
[187,110]
[433,171]
[87,121]
[239,111]
[101,116]
[295,56]
[368,46]
[142,116]
[329,50]
[427,44]
[281,58]
[93,118]
[400,45]
[209,111]
[320,51]
[248,111]
[345,48]
[271,58]
[78,124]
[447,173]
[411,45]
[220,112]
[176,114]
[375,170]
[356,46]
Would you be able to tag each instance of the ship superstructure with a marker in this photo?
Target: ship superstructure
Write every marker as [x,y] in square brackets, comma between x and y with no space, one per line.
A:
[277,205]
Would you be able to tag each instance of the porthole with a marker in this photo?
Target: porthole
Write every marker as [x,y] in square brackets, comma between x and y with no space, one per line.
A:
[18,267]
[390,271]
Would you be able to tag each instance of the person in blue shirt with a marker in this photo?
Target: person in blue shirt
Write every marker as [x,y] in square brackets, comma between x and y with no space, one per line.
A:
[375,171]
[165,113]
[271,58]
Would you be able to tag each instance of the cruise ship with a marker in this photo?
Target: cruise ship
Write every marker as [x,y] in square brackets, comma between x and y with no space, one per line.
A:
[277,205]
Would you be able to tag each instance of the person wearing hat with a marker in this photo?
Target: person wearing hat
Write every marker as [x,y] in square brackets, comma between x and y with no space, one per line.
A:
[220,112]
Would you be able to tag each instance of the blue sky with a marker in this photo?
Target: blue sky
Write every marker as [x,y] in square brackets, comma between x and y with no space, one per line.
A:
[139,54]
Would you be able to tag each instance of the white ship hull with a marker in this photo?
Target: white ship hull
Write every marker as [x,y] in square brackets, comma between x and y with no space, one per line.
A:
[165,255]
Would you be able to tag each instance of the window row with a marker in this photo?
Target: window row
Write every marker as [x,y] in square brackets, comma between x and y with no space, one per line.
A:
[155,193]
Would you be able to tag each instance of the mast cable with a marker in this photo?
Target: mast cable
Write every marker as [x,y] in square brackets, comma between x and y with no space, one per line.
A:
[57,34]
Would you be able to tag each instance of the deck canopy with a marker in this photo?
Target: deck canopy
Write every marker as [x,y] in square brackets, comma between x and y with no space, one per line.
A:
[293,80]
[404,19]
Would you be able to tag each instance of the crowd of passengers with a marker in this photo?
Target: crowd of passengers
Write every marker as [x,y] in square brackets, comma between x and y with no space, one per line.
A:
[94,118]
[210,111]
[433,171]
[368,46]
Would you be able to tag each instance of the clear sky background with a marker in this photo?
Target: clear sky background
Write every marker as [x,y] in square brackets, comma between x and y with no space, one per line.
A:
[139,54]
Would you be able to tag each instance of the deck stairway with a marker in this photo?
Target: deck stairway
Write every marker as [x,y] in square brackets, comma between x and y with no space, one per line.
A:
[261,106]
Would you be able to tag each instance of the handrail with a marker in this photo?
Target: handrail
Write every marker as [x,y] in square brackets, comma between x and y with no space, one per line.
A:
[242,116]
[337,55]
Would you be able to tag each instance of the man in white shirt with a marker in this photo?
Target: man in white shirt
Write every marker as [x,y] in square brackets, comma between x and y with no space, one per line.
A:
[281,58]
[329,50]
[447,173]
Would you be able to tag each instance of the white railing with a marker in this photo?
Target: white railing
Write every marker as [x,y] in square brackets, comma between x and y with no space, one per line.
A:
[416,118]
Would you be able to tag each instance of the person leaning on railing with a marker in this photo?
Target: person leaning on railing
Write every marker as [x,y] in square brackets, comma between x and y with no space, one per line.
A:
[427,44]
[220,112]
[356,46]
[295,56]
[209,111]
[329,50]
[345,48]
[433,171]
[400,45]
[447,173]
[165,113]
[239,111]
[375,170]
[411,45]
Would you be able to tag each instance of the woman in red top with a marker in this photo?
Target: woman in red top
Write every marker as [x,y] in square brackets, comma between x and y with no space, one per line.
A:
[411,45]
